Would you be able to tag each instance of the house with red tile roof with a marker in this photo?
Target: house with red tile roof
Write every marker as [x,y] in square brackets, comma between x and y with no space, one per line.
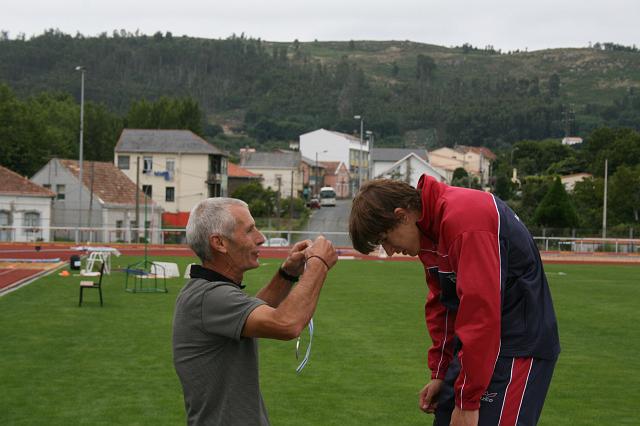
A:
[25,208]
[239,176]
[109,200]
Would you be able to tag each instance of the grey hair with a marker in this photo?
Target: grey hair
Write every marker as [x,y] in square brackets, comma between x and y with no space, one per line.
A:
[208,217]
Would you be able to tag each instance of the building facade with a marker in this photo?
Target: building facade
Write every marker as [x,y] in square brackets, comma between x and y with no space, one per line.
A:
[25,209]
[102,208]
[328,145]
[280,171]
[175,168]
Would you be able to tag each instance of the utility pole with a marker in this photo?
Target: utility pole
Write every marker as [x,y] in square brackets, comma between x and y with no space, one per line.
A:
[137,197]
[80,154]
[604,207]
[361,118]
[291,199]
[90,199]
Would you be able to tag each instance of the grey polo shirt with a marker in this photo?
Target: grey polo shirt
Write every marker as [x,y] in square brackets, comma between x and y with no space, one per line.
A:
[218,368]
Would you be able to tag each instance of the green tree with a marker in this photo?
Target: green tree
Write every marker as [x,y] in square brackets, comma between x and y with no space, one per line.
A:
[587,197]
[624,195]
[554,85]
[166,113]
[262,202]
[555,209]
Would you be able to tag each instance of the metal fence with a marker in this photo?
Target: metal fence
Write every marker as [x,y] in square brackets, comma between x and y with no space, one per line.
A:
[156,235]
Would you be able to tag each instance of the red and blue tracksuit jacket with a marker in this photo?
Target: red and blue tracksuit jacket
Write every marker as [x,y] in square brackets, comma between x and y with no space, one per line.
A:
[487,288]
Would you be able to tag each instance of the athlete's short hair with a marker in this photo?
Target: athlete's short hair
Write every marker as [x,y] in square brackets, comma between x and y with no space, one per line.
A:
[372,211]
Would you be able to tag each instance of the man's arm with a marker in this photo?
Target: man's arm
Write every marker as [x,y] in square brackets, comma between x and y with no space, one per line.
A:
[291,316]
[278,288]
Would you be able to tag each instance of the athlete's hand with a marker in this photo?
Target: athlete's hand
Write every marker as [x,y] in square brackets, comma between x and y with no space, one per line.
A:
[464,417]
[428,401]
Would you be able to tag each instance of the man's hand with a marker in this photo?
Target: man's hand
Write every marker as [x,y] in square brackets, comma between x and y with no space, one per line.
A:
[294,263]
[464,417]
[324,249]
[428,401]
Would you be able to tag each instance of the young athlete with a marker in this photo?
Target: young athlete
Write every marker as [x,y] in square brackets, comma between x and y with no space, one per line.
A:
[489,311]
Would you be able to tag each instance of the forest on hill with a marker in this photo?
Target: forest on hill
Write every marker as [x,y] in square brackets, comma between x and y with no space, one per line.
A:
[240,91]
[409,93]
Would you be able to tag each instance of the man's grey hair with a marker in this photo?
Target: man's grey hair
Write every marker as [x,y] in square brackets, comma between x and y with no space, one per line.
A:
[209,217]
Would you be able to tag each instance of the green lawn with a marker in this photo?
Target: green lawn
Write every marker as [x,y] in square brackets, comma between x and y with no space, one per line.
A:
[66,365]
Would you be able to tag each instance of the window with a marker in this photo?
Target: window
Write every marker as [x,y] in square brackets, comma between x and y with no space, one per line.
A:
[119,225]
[60,192]
[171,165]
[47,185]
[123,162]
[170,194]
[32,224]
[148,190]
[5,223]
[147,165]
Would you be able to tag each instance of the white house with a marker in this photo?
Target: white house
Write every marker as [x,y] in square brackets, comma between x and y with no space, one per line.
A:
[281,171]
[383,158]
[571,140]
[327,145]
[104,205]
[475,160]
[176,168]
[25,208]
[410,168]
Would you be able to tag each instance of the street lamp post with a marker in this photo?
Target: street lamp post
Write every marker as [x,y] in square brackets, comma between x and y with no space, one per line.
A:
[80,155]
[361,118]
[370,135]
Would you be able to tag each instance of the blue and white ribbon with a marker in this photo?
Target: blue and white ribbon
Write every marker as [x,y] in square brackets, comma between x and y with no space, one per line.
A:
[308,353]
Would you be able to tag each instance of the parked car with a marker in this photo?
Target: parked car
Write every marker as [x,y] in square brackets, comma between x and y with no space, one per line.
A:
[276,242]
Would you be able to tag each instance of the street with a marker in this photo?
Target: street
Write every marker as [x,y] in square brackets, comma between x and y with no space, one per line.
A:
[332,222]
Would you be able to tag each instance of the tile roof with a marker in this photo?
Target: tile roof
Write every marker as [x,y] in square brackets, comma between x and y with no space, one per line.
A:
[14,184]
[395,154]
[234,170]
[486,152]
[169,141]
[110,184]
[271,160]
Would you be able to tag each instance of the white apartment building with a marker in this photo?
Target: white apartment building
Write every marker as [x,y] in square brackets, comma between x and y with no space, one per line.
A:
[327,145]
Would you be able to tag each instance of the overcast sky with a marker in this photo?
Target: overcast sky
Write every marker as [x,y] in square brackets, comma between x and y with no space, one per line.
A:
[505,24]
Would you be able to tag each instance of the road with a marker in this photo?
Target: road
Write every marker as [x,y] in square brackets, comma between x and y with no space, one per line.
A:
[332,222]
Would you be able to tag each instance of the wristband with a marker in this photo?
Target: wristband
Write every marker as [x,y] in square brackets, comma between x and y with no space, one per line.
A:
[287,277]
[323,261]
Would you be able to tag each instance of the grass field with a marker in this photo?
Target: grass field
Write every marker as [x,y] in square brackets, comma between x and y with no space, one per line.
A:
[63,365]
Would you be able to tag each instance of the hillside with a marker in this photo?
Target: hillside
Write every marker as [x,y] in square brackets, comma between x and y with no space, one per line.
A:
[275,91]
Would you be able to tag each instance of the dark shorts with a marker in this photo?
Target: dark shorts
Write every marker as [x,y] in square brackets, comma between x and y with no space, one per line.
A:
[515,395]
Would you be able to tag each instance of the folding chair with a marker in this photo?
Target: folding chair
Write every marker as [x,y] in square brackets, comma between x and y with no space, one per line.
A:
[93,284]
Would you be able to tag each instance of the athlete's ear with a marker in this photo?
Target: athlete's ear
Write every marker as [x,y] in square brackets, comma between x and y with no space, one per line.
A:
[218,243]
[401,214]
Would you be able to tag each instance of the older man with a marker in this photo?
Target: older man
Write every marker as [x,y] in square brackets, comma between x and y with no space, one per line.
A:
[216,323]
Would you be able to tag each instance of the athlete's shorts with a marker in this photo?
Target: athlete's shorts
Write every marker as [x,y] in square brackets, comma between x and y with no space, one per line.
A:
[515,395]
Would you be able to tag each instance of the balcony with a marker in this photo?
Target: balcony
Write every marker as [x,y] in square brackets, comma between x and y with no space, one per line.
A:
[213,178]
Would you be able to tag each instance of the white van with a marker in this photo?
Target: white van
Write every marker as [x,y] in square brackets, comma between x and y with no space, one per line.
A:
[327,196]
